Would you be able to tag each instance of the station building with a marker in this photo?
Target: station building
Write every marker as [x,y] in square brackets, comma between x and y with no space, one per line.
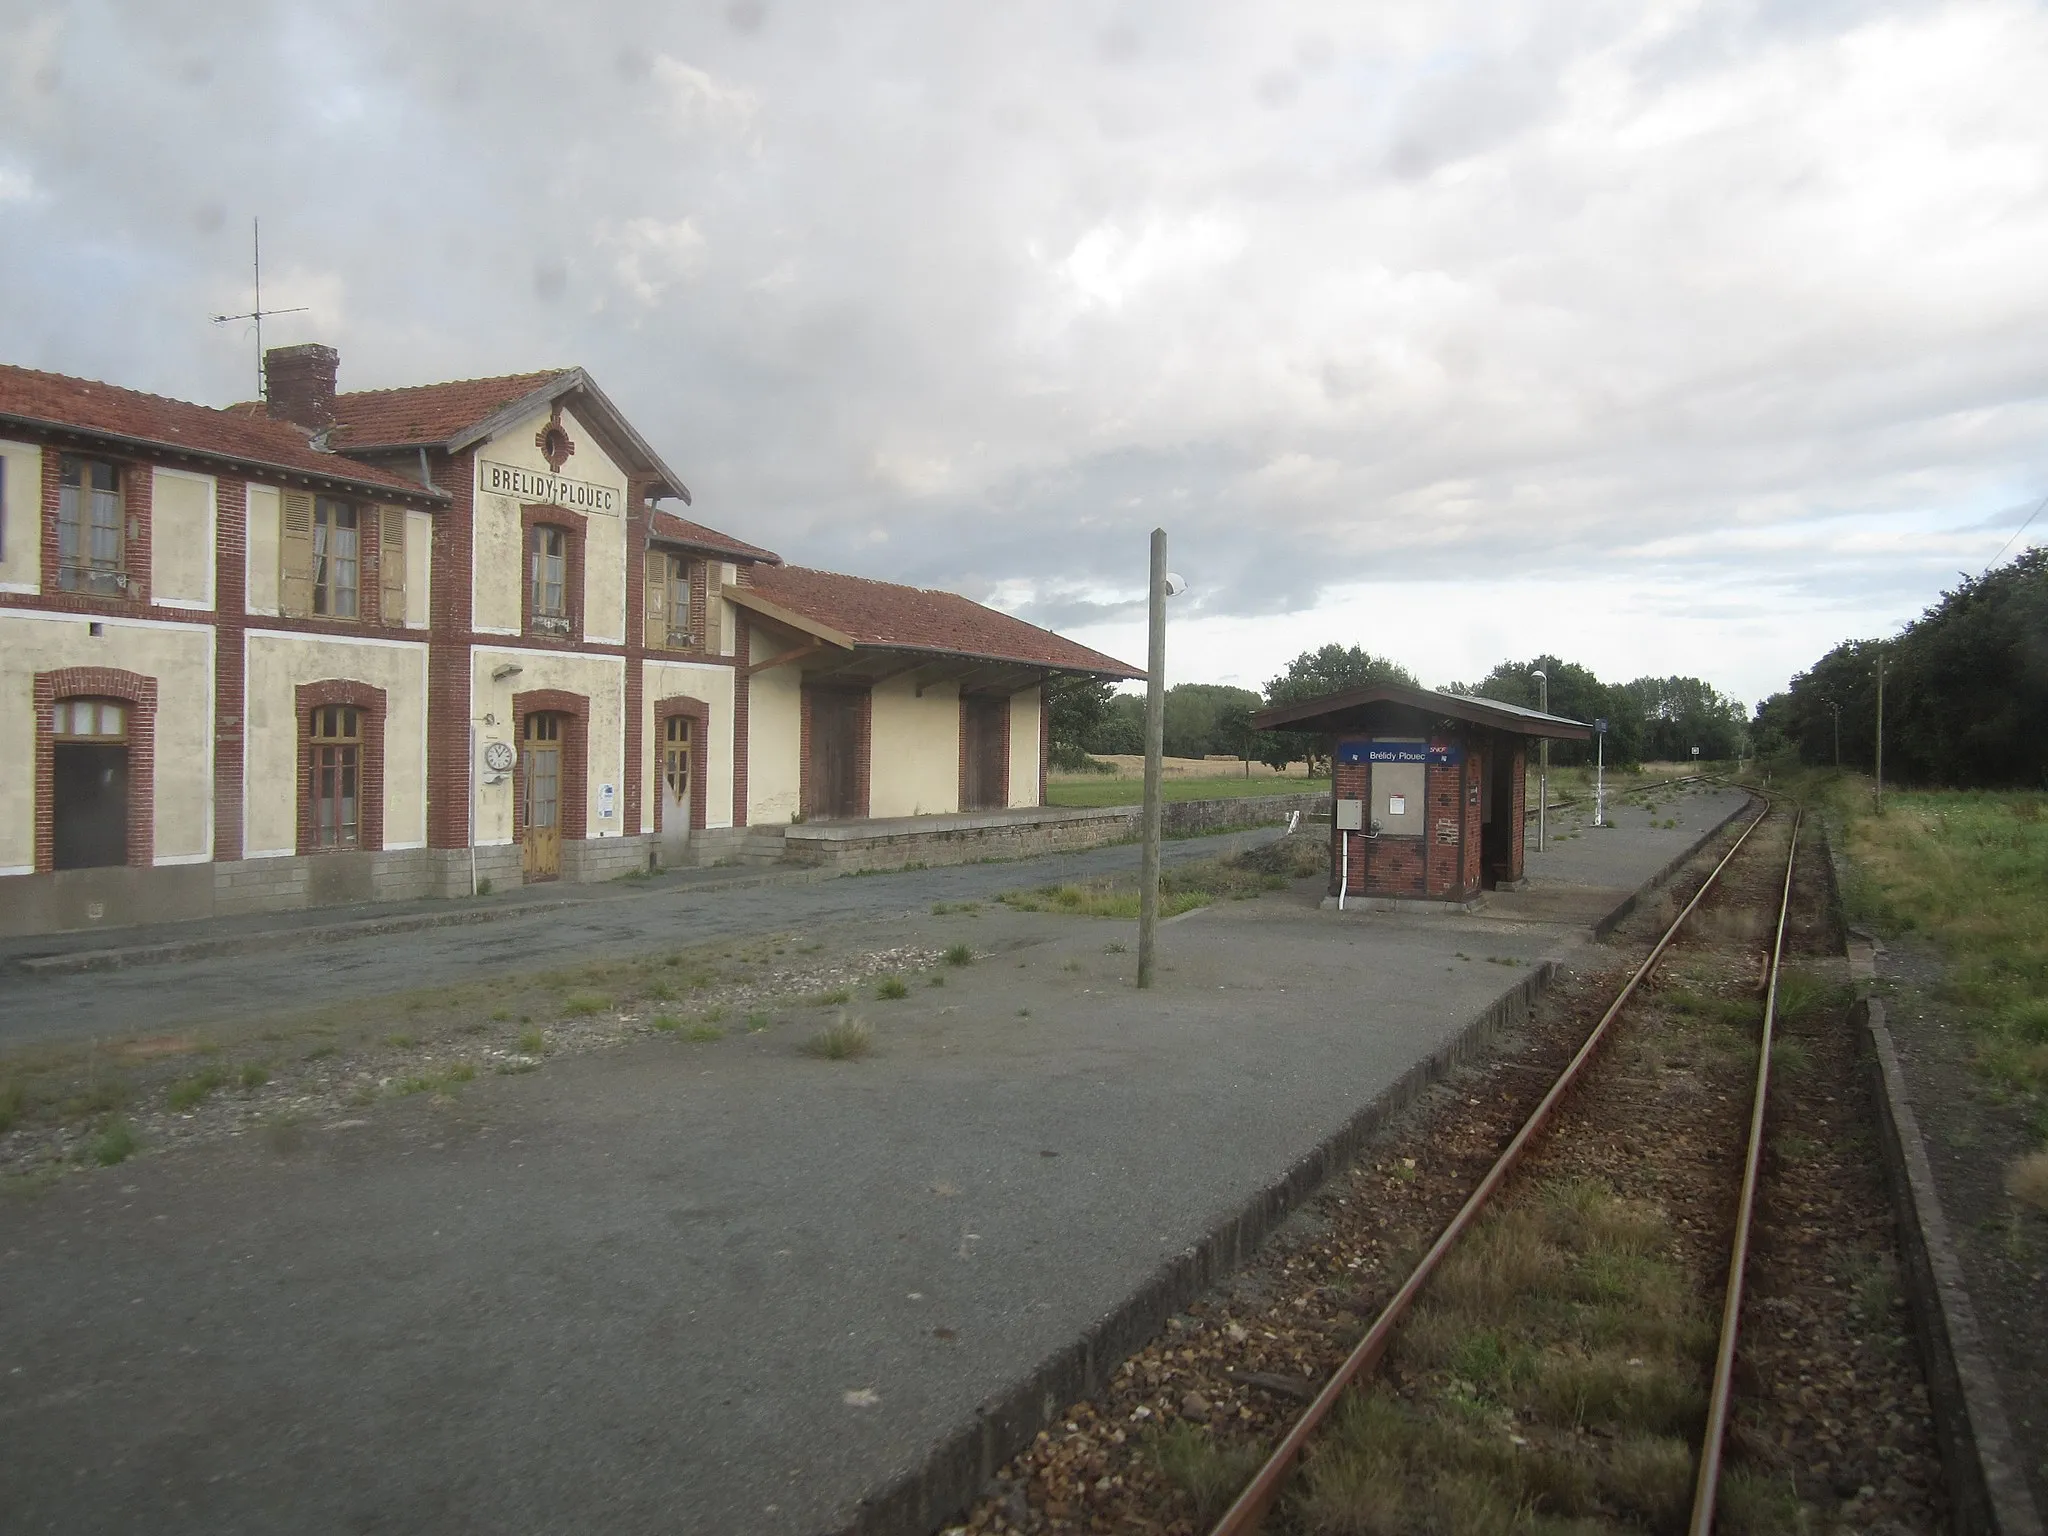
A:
[388,644]
[1429,804]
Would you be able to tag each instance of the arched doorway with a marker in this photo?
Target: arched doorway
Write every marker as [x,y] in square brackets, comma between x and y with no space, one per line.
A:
[678,738]
[89,783]
[540,751]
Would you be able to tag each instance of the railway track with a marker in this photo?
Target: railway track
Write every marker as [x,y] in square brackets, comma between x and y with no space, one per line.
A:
[1246,1514]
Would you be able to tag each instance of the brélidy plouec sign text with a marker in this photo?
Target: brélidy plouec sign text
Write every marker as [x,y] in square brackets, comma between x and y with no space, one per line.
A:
[554,490]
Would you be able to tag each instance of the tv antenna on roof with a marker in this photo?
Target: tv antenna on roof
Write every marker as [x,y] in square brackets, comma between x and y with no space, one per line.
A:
[257,314]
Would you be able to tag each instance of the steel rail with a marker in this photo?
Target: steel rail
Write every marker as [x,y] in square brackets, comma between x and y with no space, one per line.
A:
[1251,1505]
[1706,1489]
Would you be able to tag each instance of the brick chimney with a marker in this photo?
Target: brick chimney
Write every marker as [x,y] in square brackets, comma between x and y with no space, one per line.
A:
[298,384]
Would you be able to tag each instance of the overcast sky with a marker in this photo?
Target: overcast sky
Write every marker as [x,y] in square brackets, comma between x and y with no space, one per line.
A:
[1669,338]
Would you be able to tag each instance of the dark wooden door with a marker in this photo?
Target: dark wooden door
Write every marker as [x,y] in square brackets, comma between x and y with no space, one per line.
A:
[541,760]
[832,773]
[89,805]
[986,754]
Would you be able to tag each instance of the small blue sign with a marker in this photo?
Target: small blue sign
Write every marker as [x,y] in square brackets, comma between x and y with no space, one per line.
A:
[1600,726]
[1437,753]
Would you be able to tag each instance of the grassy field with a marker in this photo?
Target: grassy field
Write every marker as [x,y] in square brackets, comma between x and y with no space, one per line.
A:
[1104,790]
[1968,870]
[1183,887]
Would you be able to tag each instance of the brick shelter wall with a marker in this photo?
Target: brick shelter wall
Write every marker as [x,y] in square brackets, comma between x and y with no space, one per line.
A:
[1518,825]
[1477,763]
[1444,828]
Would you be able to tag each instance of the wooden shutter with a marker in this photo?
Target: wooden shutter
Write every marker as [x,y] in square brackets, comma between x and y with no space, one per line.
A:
[655,600]
[295,555]
[391,564]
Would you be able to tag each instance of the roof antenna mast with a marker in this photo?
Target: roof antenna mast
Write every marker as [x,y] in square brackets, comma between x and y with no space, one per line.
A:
[257,314]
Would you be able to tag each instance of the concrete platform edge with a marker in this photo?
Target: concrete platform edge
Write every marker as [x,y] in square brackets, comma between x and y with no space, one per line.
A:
[1986,1485]
[1614,919]
[962,1464]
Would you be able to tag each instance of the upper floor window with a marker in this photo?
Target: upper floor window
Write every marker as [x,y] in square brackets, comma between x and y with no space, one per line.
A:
[549,565]
[92,544]
[337,558]
[670,619]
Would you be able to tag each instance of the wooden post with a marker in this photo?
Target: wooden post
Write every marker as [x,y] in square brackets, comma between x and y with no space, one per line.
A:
[1155,735]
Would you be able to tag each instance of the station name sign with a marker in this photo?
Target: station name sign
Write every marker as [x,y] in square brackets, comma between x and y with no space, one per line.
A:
[1440,754]
[554,490]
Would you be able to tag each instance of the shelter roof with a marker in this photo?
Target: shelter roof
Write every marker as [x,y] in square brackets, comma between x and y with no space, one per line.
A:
[667,528]
[856,611]
[1383,703]
[54,401]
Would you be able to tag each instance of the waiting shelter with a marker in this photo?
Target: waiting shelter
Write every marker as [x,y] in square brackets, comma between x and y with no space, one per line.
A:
[1429,803]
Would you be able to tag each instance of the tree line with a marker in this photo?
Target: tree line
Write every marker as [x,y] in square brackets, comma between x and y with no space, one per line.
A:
[1965,691]
[1649,718]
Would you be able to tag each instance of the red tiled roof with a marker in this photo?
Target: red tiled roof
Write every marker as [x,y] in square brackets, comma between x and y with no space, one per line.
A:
[427,413]
[253,441]
[681,530]
[881,613]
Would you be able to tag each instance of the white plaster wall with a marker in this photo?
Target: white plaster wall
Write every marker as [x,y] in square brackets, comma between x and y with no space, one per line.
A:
[712,685]
[500,560]
[419,569]
[181,538]
[914,769]
[601,679]
[263,535]
[178,656]
[775,729]
[21,518]
[722,622]
[277,663]
[1024,707]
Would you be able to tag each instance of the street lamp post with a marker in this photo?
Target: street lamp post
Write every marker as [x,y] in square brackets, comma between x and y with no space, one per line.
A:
[1543,768]
[1880,733]
[1161,586]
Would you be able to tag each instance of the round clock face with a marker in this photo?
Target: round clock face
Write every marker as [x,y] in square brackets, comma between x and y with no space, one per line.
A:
[498,756]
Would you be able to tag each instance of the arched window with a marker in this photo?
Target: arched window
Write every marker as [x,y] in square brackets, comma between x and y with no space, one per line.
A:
[336,789]
[89,783]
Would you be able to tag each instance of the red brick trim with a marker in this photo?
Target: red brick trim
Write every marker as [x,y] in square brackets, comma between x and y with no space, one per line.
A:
[230,594]
[700,742]
[863,746]
[308,697]
[136,488]
[574,528]
[448,655]
[139,694]
[575,758]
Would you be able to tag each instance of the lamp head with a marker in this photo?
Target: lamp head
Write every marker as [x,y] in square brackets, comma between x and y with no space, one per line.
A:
[1175,585]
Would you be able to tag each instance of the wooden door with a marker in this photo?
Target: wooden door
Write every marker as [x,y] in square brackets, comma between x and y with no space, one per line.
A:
[832,770]
[541,762]
[986,780]
[676,741]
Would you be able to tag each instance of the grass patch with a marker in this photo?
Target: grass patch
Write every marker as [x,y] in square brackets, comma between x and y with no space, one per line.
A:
[667,1023]
[1963,869]
[585,1004]
[253,1076]
[891,989]
[756,1022]
[838,997]
[847,1040]
[958,954]
[400,1040]
[703,1034]
[1182,888]
[1120,791]
[949,908]
[1208,1472]
[1557,1362]
[532,1043]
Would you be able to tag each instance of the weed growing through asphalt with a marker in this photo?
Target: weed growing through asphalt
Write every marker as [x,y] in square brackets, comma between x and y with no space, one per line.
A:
[838,997]
[115,1143]
[189,1092]
[532,1043]
[1113,947]
[703,1033]
[936,979]
[667,1023]
[253,1076]
[501,1015]
[891,989]
[400,1040]
[847,1040]
[958,954]
[950,908]
[756,1022]
[1182,888]
[584,1005]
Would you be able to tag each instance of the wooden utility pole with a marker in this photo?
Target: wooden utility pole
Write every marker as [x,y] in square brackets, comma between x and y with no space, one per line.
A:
[1880,733]
[1155,740]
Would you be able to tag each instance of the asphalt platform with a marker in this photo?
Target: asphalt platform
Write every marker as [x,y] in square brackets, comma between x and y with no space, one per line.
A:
[727,1288]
